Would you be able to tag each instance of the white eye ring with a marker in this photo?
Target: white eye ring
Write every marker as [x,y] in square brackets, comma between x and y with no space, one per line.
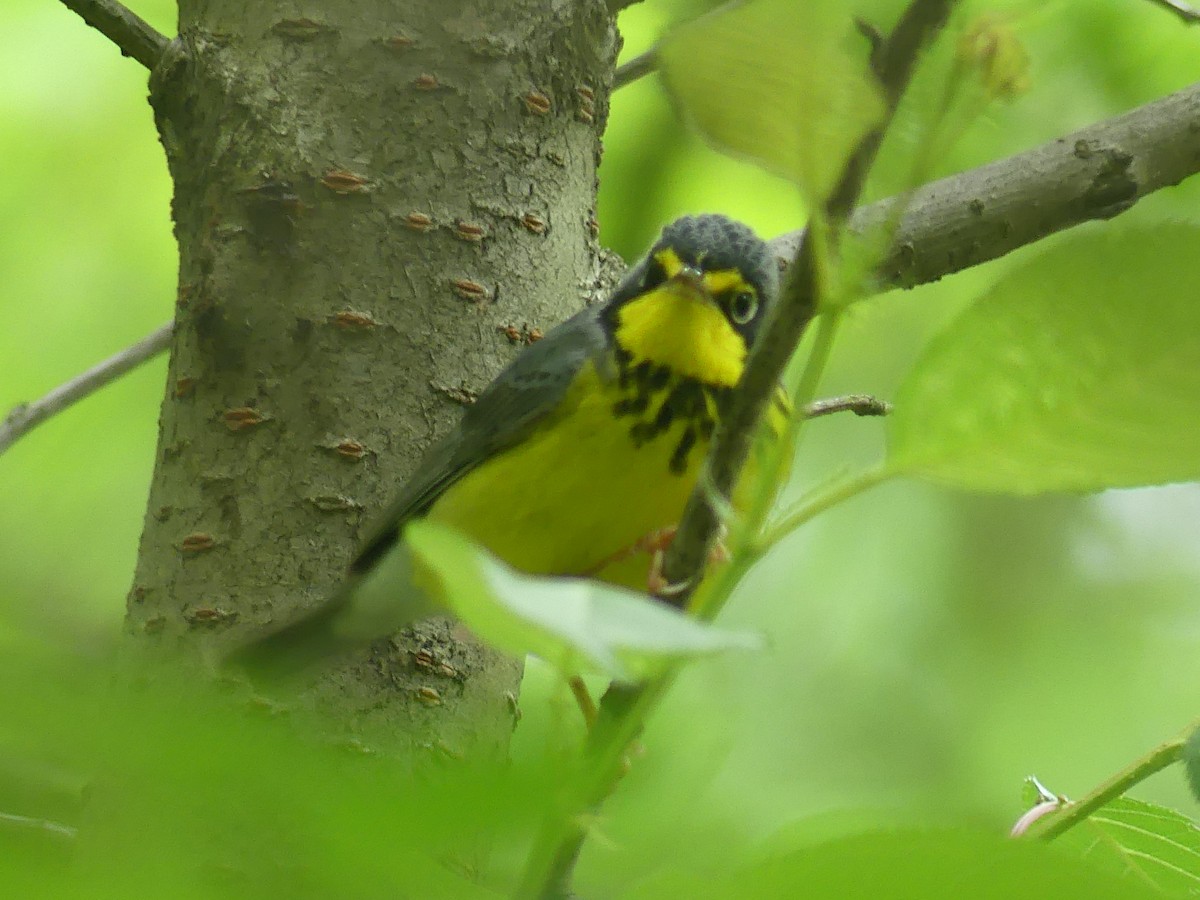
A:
[743,307]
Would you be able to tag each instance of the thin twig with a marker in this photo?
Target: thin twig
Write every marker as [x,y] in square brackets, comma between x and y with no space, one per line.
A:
[634,69]
[859,404]
[894,61]
[133,36]
[1183,10]
[26,416]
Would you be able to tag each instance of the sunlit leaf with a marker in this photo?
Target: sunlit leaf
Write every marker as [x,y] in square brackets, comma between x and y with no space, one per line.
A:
[1077,372]
[1150,844]
[573,623]
[786,84]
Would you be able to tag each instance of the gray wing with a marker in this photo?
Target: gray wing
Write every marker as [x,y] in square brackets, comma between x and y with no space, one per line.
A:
[522,395]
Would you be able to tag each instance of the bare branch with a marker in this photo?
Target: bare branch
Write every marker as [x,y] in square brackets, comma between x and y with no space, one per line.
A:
[978,215]
[859,404]
[985,213]
[132,35]
[631,71]
[1181,9]
[27,416]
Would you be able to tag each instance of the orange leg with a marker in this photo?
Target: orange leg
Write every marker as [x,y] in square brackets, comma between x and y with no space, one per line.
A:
[655,541]
[655,544]
[656,584]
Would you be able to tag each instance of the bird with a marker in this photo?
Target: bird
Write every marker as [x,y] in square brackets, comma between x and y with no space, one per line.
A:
[581,454]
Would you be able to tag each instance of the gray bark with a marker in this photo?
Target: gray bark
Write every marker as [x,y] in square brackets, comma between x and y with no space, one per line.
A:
[973,217]
[364,201]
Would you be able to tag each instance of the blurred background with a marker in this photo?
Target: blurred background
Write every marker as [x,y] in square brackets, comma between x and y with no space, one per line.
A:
[928,649]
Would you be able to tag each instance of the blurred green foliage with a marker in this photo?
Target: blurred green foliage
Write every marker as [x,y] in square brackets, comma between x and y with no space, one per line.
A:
[927,648]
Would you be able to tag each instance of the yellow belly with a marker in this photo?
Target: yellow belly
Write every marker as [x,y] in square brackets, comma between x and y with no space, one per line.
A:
[576,492]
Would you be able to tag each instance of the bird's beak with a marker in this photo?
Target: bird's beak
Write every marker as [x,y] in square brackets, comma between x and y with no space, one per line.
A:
[689,282]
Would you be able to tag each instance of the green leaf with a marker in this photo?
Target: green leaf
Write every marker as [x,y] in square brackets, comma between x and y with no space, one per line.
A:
[1150,844]
[901,863]
[1077,372]
[783,83]
[574,624]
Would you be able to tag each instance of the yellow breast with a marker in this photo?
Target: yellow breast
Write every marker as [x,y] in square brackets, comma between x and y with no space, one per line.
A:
[614,464]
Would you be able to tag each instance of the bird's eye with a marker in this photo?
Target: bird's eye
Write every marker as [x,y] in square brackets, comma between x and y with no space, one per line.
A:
[743,307]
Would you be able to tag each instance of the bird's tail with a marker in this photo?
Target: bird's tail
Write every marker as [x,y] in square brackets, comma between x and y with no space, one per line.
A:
[283,656]
[365,608]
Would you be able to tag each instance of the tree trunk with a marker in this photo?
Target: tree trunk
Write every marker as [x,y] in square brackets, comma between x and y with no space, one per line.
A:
[365,202]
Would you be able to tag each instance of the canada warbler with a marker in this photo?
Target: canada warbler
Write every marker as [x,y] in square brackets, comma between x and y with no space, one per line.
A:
[588,442]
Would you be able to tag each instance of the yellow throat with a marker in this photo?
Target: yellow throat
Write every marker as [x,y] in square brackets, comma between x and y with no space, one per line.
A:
[678,326]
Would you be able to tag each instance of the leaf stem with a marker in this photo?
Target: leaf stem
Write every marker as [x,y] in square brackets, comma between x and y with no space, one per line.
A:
[26,416]
[821,500]
[1070,815]
[859,404]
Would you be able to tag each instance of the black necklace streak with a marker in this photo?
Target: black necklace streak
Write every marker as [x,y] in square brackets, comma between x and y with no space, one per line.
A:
[683,399]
